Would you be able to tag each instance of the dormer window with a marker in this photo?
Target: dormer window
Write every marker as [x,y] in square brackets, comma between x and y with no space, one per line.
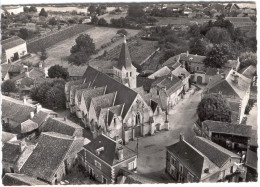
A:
[99,150]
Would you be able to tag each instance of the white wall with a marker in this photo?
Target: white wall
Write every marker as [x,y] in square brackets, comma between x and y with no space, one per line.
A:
[21,49]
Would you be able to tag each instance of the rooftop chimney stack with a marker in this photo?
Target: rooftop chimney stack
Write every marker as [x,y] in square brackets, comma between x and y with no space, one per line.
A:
[31,115]
[38,108]
[124,39]
[187,53]
[24,100]
[181,137]
[120,153]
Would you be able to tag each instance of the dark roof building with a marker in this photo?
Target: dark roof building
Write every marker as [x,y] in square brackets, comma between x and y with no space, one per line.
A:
[15,179]
[12,42]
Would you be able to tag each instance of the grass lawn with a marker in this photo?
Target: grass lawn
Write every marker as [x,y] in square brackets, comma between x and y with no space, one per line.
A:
[58,53]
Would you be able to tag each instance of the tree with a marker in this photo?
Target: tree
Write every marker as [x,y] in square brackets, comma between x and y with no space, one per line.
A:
[55,98]
[91,9]
[32,9]
[102,22]
[194,31]
[247,59]
[26,9]
[23,33]
[58,71]
[53,21]
[199,46]
[43,13]
[219,55]
[94,20]
[81,52]
[122,31]
[214,107]
[43,55]
[8,86]
[218,35]
[135,11]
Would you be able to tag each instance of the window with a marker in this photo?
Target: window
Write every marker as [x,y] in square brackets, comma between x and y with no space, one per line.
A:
[97,164]
[130,74]
[198,68]
[131,165]
[181,168]
[189,177]
[104,180]
[231,169]
[158,92]
[126,74]
[173,161]
[12,170]
[114,120]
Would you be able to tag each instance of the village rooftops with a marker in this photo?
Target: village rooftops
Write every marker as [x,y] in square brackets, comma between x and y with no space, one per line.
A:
[76,71]
[109,150]
[15,179]
[61,125]
[227,128]
[249,72]
[12,42]
[7,136]
[160,73]
[51,151]
[33,74]
[233,84]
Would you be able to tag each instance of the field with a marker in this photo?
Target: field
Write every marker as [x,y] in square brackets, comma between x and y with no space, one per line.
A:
[178,21]
[108,17]
[58,53]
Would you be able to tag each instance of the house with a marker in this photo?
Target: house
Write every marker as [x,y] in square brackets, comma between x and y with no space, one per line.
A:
[11,70]
[14,48]
[7,136]
[103,157]
[232,7]
[235,88]
[15,154]
[67,90]
[53,158]
[16,179]
[13,9]
[62,126]
[23,118]
[200,161]
[104,107]
[234,137]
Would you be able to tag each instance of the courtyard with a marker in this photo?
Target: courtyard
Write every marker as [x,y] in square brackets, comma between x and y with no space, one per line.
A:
[152,149]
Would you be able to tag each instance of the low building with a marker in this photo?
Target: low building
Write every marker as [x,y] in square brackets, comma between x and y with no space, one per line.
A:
[16,179]
[11,70]
[53,158]
[14,48]
[200,161]
[235,88]
[103,157]
[234,137]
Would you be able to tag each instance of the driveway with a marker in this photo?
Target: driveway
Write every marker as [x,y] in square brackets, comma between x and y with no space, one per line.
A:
[152,149]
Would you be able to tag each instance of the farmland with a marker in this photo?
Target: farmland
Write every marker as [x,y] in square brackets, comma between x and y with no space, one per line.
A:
[58,53]
[178,21]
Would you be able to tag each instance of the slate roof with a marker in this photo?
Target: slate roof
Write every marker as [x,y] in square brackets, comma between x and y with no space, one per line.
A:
[51,151]
[124,57]
[103,101]
[88,94]
[111,111]
[180,70]
[249,72]
[10,68]
[33,74]
[171,83]
[228,128]
[76,87]
[228,87]
[12,42]
[160,73]
[76,71]
[26,127]
[58,125]
[6,136]
[217,154]
[251,159]
[144,82]
[15,179]
[11,151]
[99,79]
[108,155]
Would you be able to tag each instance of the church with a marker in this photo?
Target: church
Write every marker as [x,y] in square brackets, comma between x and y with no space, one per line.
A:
[109,104]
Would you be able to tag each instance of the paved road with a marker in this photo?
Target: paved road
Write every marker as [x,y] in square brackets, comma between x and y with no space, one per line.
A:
[152,149]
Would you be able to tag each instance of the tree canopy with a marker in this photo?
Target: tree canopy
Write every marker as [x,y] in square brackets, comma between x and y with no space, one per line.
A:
[214,107]
[218,35]
[82,50]
[23,33]
[43,55]
[8,86]
[247,59]
[135,11]
[58,71]
[43,13]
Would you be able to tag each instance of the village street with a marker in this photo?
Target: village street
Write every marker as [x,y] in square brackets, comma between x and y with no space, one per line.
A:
[152,149]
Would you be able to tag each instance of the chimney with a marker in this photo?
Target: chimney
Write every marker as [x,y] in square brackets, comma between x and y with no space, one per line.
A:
[222,75]
[124,39]
[120,153]
[171,77]
[99,150]
[25,67]
[22,145]
[235,80]
[181,137]
[38,108]
[187,53]
[31,115]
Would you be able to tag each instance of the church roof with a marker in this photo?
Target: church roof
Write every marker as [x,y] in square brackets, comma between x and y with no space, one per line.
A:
[124,57]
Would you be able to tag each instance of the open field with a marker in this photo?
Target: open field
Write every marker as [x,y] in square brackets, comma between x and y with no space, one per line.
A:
[108,17]
[178,21]
[58,53]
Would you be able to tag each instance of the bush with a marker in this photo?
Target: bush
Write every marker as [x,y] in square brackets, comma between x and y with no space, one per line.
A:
[102,22]
[122,31]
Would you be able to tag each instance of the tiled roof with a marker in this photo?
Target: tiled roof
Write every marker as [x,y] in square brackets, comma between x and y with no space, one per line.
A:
[249,72]
[160,73]
[251,159]
[58,125]
[170,83]
[26,127]
[6,136]
[41,117]
[15,179]
[109,154]
[11,151]
[228,128]
[88,94]
[11,68]
[103,101]
[99,79]
[217,154]
[180,70]
[12,42]
[33,74]
[228,87]
[51,151]
[76,71]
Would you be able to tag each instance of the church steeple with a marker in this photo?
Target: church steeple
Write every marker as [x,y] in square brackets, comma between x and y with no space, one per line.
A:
[124,57]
